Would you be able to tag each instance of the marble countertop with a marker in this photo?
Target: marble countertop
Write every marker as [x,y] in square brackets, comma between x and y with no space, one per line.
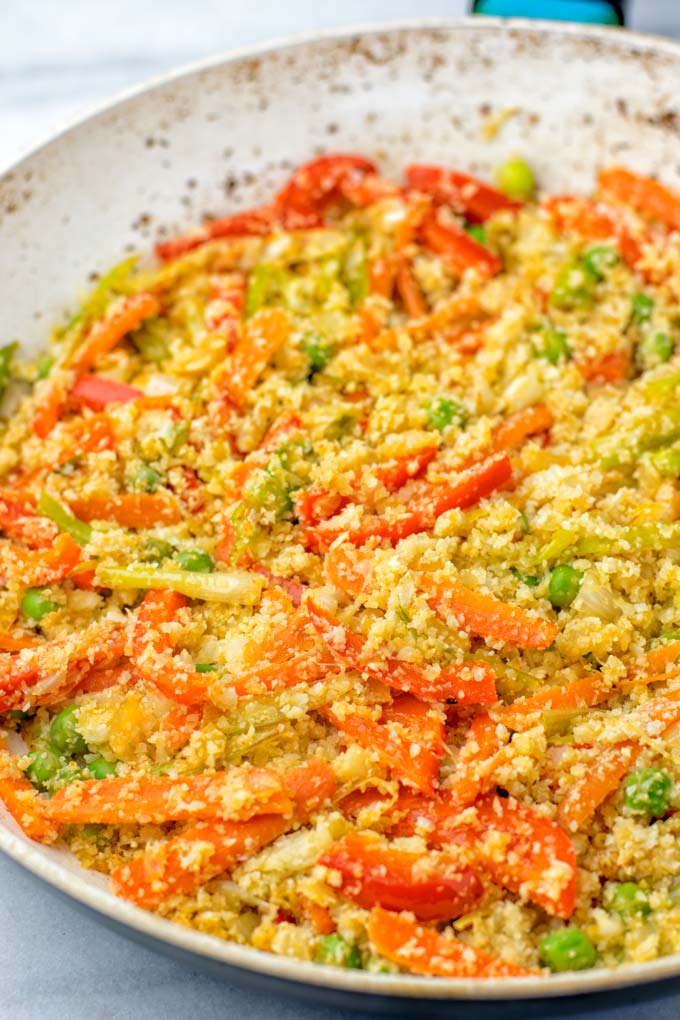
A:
[56,58]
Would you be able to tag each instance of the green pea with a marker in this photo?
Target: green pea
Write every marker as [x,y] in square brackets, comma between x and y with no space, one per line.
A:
[336,951]
[666,461]
[205,667]
[64,732]
[567,949]
[43,766]
[195,559]
[43,366]
[641,308]
[156,550]
[516,179]
[145,479]
[565,582]
[628,898]
[101,768]
[654,349]
[318,350]
[444,411]
[36,603]
[477,231]
[573,287]
[530,580]
[599,259]
[647,790]
[555,346]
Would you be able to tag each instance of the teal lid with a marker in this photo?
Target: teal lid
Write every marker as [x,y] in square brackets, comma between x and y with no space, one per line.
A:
[591,11]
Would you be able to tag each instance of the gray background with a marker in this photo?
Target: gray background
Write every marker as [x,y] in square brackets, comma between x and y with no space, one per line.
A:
[57,57]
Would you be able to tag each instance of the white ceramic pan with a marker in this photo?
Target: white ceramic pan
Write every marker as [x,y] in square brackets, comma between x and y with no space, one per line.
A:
[222,135]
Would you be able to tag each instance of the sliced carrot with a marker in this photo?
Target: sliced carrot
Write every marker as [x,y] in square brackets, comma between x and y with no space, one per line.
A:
[236,794]
[521,426]
[409,290]
[266,332]
[224,311]
[375,874]
[486,616]
[318,916]
[644,194]
[102,678]
[409,738]
[461,250]
[152,650]
[396,473]
[466,682]
[14,643]
[178,725]
[478,759]
[316,504]
[41,567]
[475,199]
[349,569]
[657,660]
[180,865]
[381,270]
[424,951]
[19,522]
[136,510]
[603,776]
[125,316]
[24,804]
[428,502]
[51,398]
[605,368]
[577,695]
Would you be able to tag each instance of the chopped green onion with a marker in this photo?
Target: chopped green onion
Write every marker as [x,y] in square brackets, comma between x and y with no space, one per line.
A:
[654,349]
[530,580]
[336,951]
[318,350]
[561,541]
[477,231]
[641,308]
[515,178]
[205,667]
[666,461]
[43,366]
[628,898]
[265,285]
[64,519]
[573,287]
[355,273]
[6,356]
[555,346]
[151,341]
[237,586]
[658,429]
[145,479]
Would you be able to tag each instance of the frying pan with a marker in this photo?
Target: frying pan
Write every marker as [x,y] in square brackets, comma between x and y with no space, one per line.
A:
[222,135]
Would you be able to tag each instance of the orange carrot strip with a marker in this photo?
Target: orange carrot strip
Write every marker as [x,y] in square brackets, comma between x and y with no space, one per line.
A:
[125,316]
[373,873]
[51,398]
[381,272]
[181,865]
[41,567]
[486,616]
[428,502]
[136,510]
[538,858]
[409,738]
[23,525]
[467,682]
[349,569]
[657,660]
[595,222]
[478,759]
[521,426]
[396,473]
[25,805]
[423,951]
[642,193]
[178,725]
[408,289]
[266,332]
[152,650]
[605,368]
[584,797]
[11,643]
[236,794]
[318,916]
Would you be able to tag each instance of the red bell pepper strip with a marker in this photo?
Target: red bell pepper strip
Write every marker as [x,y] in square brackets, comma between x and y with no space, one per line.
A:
[300,203]
[374,874]
[470,683]
[424,951]
[605,368]
[97,393]
[537,860]
[152,650]
[646,195]
[460,249]
[253,222]
[409,290]
[429,501]
[466,195]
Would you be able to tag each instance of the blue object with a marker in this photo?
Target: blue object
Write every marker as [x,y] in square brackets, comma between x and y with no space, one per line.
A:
[593,12]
